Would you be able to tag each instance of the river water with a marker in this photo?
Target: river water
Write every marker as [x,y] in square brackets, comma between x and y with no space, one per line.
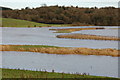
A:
[94,65]
[43,36]
[101,32]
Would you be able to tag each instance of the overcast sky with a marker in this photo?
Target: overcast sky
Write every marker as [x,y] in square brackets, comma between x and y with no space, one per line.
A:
[36,3]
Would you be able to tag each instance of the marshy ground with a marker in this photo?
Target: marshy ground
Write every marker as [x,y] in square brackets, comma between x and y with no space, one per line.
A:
[86,36]
[60,50]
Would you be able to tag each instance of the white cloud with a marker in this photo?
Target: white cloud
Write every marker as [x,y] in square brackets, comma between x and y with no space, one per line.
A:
[59,1]
[37,3]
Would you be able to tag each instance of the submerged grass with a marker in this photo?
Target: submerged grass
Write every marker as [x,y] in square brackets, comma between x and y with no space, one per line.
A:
[73,29]
[13,73]
[32,46]
[60,50]
[63,31]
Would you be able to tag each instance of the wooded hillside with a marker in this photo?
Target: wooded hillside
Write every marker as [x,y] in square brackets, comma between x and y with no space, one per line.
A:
[107,16]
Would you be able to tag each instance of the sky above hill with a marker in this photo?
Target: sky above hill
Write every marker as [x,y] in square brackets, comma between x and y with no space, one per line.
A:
[18,4]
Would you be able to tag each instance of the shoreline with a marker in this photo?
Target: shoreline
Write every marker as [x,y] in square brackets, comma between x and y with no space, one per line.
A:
[61,50]
[57,31]
[20,73]
[62,26]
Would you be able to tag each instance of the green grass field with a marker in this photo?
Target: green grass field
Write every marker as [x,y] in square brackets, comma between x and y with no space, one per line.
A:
[12,73]
[8,22]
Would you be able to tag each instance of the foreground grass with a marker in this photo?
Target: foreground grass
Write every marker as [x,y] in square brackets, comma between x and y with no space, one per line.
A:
[13,73]
[60,50]
[86,36]
[8,22]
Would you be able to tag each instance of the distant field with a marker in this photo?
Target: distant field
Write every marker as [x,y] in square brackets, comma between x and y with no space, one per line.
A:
[12,73]
[8,22]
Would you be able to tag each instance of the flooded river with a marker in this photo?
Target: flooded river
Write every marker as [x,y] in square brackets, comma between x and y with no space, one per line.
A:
[94,65]
[102,32]
[43,36]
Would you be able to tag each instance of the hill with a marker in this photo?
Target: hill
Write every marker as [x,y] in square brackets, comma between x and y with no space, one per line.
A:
[8,22]
[106,16]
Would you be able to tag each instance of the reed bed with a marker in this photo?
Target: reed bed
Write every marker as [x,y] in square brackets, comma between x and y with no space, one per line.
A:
[85,36]
[61,50]
[69,30]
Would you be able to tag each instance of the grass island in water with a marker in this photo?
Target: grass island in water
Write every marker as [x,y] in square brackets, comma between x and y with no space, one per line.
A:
[60,50]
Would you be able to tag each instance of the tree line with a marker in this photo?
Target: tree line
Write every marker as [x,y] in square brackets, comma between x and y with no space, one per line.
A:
[5,8]
[105,16]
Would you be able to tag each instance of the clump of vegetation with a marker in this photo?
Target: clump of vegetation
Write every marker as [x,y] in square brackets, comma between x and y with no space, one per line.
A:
[105,16]
[85,36]
[14,73]
[61,50]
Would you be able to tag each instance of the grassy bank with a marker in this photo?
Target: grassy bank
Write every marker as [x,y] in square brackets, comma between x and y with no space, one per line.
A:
[69,30]
[60,50]
[85,36]
[8,22]
[13,73]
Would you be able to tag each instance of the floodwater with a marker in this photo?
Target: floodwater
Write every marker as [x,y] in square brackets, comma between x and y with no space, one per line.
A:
[43,36]
[101,32]
[94,65]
